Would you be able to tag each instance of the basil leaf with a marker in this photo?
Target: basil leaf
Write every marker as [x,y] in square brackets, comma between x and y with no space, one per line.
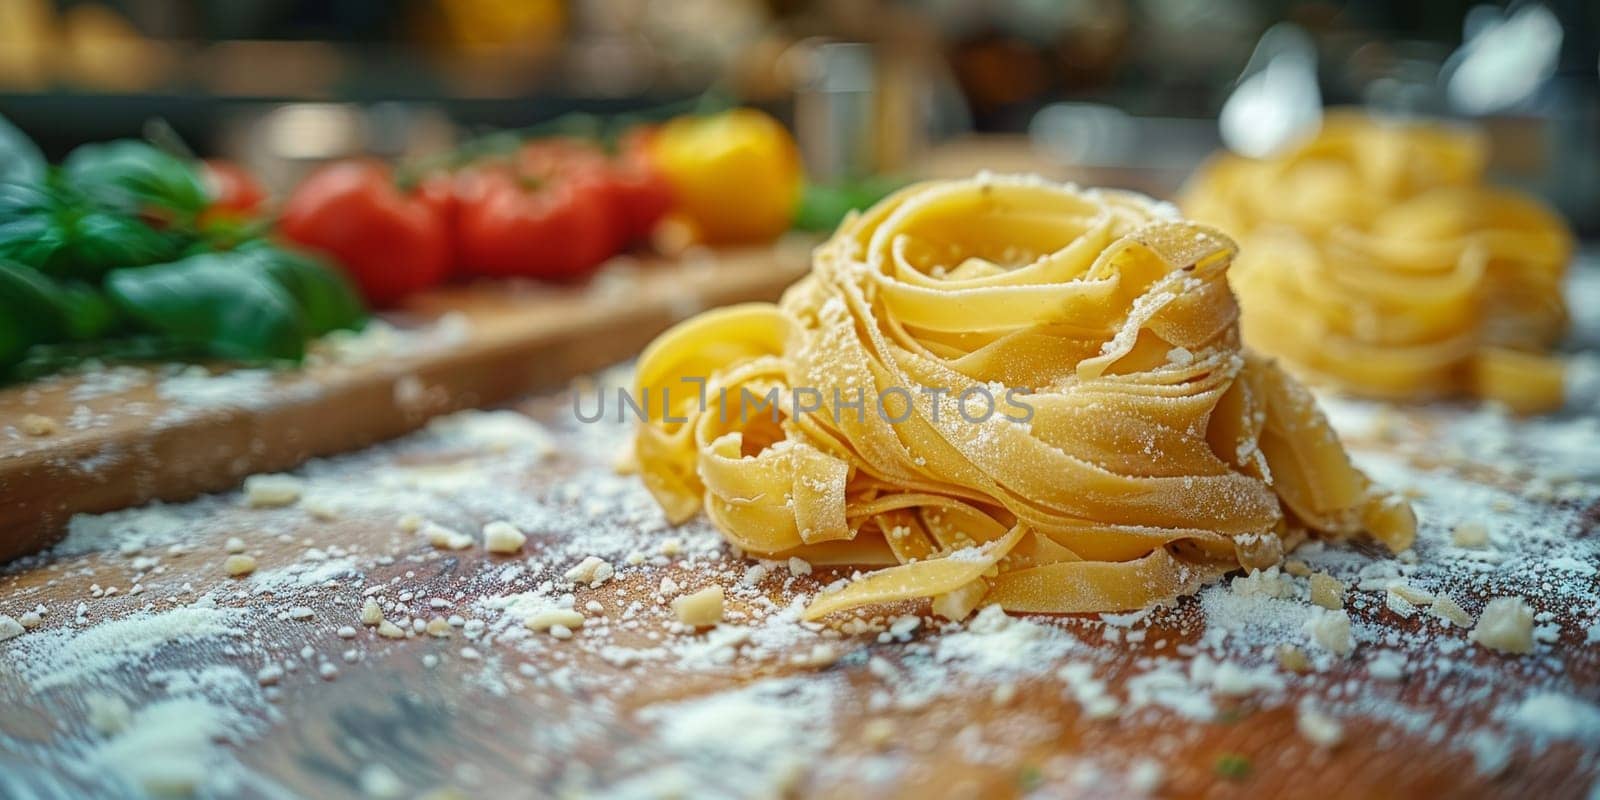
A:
[31,233]
[132,176]
[20,159]
[56,232]
[216,302]
[327,300]
[823,206]
[24,316]
[35,310]
[101,241]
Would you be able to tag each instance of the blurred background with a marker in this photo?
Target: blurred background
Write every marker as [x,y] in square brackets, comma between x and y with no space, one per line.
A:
[1118,92]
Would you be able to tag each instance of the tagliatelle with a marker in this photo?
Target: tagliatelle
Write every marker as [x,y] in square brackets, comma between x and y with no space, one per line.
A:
[1151,454]
[1374,258]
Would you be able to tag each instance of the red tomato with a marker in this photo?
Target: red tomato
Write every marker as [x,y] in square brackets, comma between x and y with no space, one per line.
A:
[510,224]
[638,194]
[439,191]
[391,244]
[235,193]
[641,192]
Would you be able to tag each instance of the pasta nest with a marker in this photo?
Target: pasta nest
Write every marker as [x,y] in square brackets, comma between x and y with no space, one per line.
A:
[1375,259]
[1135,450]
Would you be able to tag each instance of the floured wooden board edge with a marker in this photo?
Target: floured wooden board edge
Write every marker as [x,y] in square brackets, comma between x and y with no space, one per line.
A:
[122,436]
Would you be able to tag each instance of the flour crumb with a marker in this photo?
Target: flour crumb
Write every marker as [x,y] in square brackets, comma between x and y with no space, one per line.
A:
[378,781]
[1317,727]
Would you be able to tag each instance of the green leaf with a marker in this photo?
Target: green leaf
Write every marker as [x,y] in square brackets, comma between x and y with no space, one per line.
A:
[214,301]
[823,206]
[24,319]
[20,159]
[37,310]
[327,300]
[30,232]
[56,232]
[99,241]
[133,177]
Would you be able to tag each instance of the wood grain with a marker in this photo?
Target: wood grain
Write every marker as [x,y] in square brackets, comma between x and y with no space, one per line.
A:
[566,721]
[134,445]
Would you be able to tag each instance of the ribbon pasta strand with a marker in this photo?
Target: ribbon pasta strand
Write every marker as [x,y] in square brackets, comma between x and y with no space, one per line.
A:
[1374,259]
[876,415]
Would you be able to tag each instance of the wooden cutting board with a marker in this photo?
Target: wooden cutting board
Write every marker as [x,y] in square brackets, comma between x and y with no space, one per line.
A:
[127,436]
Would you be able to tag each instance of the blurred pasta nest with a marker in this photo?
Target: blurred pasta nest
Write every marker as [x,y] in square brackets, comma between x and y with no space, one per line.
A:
[1374,258]
[1154,453]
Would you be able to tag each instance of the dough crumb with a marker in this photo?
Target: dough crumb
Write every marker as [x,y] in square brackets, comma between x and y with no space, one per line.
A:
[503,537]
[272,491]
[443,538]
[9,628]
[389,630]
[39,425]
[1331,631]
[233,545]
[371,613]
[1327,591]
[592,570]
[1506,625]
[1293,658]
[552,618]
[959,604]
[701,609]
[320,508]
[1446,608]
[1267,582]
[239,565]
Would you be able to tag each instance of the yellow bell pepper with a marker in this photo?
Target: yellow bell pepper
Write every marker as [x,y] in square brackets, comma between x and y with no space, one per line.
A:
[736,175]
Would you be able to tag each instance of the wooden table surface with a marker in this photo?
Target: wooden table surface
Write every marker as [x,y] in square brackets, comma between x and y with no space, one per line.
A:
[634,705]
